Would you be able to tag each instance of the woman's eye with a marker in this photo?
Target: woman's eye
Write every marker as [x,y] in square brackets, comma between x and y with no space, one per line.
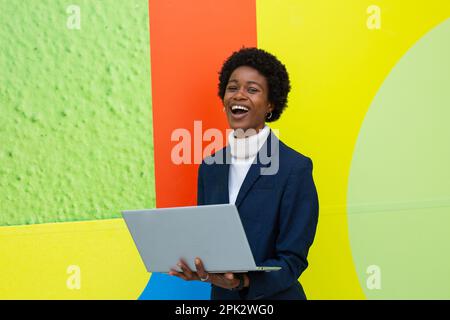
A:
[252,90]
[232,88]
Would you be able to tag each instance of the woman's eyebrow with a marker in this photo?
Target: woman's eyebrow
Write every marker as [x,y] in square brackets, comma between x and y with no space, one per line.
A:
[248,82]
[254,82]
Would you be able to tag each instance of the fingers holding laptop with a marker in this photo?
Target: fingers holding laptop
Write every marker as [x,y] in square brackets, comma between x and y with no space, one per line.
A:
[223,280]
[201,272]
[186,272]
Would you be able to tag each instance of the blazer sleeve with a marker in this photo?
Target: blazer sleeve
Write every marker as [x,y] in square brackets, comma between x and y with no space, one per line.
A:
[298,218]
[200,190]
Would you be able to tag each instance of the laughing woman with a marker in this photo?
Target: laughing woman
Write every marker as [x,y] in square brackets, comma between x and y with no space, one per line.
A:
[279,206]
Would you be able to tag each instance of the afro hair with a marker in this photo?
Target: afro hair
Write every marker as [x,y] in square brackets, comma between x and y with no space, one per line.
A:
[266,64]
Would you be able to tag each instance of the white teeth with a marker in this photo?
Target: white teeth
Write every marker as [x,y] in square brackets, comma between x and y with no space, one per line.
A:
[239,108]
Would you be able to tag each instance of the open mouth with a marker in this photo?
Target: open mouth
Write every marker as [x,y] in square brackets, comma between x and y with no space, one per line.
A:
[238,109]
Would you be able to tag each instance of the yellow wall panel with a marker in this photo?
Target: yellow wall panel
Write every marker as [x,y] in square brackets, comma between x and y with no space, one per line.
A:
[76,260]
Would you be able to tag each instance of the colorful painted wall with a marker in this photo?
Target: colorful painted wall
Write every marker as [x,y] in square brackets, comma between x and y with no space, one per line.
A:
[91,91]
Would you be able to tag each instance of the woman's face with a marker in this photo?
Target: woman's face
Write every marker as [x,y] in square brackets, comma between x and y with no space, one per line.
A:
[246,99]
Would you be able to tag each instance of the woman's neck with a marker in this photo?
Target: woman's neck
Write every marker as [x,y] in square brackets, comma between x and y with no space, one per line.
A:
[247,146]
[245,133]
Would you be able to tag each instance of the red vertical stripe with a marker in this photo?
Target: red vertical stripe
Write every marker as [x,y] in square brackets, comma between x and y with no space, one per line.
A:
[189,42]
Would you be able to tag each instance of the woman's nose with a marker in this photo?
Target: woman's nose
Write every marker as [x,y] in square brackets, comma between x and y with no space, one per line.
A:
[240,94]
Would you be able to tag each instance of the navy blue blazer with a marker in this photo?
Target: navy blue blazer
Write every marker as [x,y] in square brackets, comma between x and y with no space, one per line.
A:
[278,206]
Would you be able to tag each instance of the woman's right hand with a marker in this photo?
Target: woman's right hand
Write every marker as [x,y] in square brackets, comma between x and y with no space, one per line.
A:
[186,273]
[223,280]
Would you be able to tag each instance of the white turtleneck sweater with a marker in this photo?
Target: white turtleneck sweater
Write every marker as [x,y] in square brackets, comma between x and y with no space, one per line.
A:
[243,153]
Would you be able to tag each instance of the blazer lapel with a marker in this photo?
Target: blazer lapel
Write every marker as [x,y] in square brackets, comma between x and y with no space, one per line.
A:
[256,168]
[222,169]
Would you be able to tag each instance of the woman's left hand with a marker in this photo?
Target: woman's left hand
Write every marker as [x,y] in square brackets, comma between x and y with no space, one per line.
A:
[223,280]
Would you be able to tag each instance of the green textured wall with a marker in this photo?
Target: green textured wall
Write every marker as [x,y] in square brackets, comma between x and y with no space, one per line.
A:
[76,139]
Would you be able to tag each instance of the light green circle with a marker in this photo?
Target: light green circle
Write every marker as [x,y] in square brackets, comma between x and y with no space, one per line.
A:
[399,185]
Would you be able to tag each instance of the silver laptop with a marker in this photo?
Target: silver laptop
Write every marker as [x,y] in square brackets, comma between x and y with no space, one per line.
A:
[213,233]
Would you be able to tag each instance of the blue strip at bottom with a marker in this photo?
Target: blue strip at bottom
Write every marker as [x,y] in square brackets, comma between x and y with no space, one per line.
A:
[164,287]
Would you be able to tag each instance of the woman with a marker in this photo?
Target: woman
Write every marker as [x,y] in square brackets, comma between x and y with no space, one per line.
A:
[276,199]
